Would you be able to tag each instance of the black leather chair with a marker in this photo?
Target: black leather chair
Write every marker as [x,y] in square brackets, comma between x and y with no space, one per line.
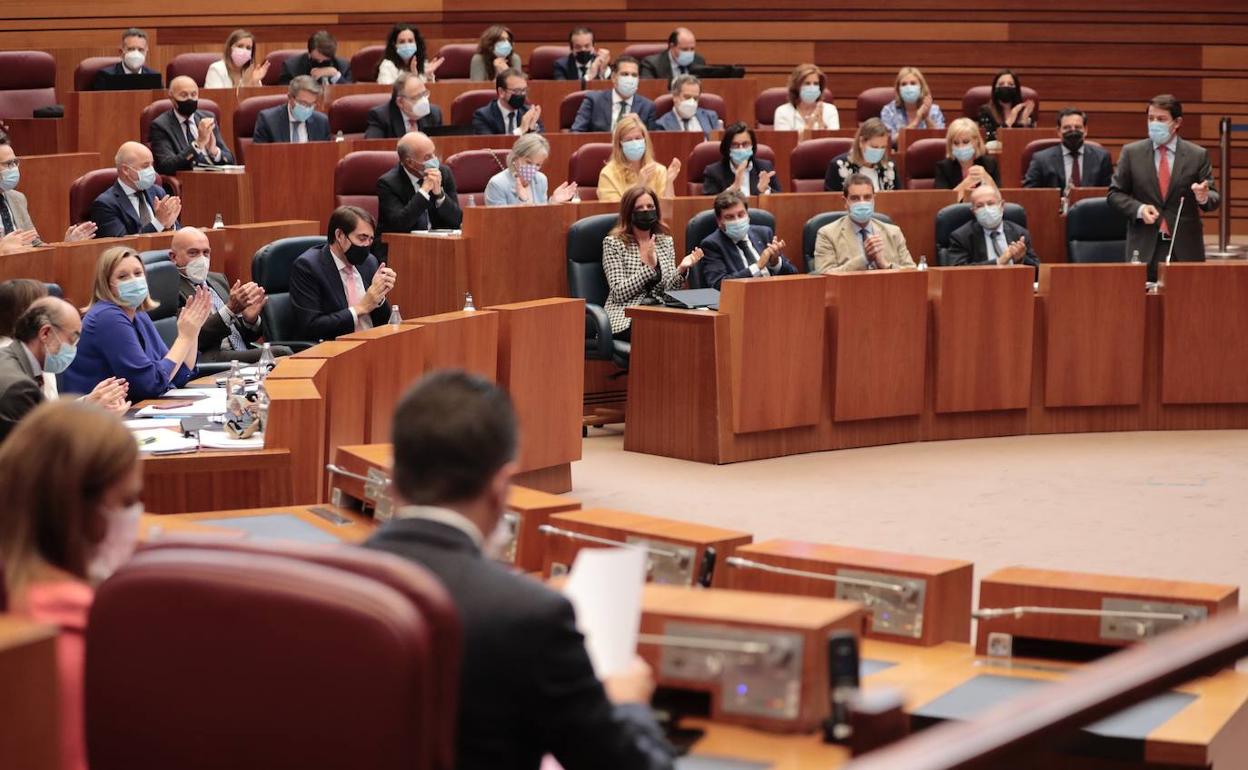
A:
[952,217]
[270,268]
[152,257]
[1095,232]
[162,286]
[810,232]
[702,224]
[587,281]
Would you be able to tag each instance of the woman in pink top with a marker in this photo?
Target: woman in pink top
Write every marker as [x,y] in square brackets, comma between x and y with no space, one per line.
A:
[71,478]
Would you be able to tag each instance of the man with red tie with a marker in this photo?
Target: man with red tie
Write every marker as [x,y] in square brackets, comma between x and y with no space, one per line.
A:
[1153,177]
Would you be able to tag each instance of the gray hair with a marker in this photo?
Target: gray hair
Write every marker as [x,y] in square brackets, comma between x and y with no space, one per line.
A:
[304,83]
[526,147]
[685,80]
[401,82]
[133,32]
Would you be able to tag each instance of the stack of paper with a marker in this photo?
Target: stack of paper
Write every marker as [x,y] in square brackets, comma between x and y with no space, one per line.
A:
[207,403]
[163,441]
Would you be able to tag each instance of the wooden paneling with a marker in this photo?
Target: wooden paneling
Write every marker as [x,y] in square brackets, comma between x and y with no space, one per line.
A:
[1205,353]
[216,479]
[74,265]
[464,339]
[394,360]
[205,194]
[46,180]
[431,272]
[346,400]
[297,424]
[292,181]
[29,699]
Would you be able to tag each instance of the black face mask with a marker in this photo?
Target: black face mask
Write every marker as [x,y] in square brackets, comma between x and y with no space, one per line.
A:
[356,254]
[1005,94]
[187,107]
[584,57]
[645,219]
[1073,140]
[516,101]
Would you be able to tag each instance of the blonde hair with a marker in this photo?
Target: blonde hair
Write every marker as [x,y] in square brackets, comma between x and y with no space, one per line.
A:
[236,74]
[908,72]
[868,129]
[102,289]
[526,147]
[623,125]
[800,73]
[962,127]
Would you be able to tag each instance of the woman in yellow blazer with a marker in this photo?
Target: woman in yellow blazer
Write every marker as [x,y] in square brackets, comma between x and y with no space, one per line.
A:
[632,163]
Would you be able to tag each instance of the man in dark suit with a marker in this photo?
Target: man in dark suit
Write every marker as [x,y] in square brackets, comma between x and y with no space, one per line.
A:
[1074,162]
[510,113]
[679,58]
[408,110]
[585,63]
[600,110]
[989,239]
[14,211]
[418,193]
[685,114]
[133,58]
[527,686]
[321,62]
[297,121]
[185,136]
[1153,176]
[341,287]
[738,249]
[135,203]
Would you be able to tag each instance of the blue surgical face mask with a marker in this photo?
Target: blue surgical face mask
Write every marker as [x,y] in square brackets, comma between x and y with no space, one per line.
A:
[740,155]
[684,58]
[964,153]
[9,178]
[132,291]
[147,178]
[433,162]
[989,217]
[873,155]
[55,363]
[502,49]
[910,93]
[810,93]
[861,211]
[1159,132]
[301,112]
[633,149]
[737,229]
[626,85]
[405,50]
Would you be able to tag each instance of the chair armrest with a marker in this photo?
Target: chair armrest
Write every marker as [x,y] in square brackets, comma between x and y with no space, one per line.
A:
[598,338]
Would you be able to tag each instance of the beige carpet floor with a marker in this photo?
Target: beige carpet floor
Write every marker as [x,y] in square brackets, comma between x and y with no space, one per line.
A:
[1162,504]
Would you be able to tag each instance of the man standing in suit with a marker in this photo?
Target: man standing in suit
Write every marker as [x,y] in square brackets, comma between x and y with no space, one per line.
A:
[408,110]
[14,213]
[135,203]
[1153,176]
[685,114]
[297,121]
[585,63]
[185,136]
[679,58]
[989,239]
[321,62]
[341,287]
[738,249]
[510,113]
[1073,163]
[600,110]
[527,687]
[133,58]
[858,241]
[419,192]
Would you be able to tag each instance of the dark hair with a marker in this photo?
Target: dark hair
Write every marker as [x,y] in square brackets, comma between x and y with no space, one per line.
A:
[857,179]
[500,80]
[672,38]
[400,84]
[392,55]
[1068,111]
[993,105]
[323,42]
[626,60]
[38,315]
[133,32]
[346,219]
[725,144]
[451,432]
[1169,103]
[4,137]
[491,35]
[729,198]
[580,31]
[16,295]
[628,201]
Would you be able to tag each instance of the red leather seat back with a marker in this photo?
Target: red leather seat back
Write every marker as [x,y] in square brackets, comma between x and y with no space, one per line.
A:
[86,188]
[277,59]
[356,175]
[713,102]
[245,119]
[472,169]
[568,107]
[161,106]
[769,99]
[542,61]
[193,65]
[977,96]
[84,73]
[469,102]
[809,162]
[640,51]
[458,60]
[349,114]
[1034,147]
[27,82]
[702,156]
[585,165]
[266,657]
[921,159]
[871,102]
[365,62]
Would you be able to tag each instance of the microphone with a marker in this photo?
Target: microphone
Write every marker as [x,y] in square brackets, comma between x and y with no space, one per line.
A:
[1174,236]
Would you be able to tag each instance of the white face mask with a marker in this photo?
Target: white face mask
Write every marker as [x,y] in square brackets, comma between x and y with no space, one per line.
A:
[197,269]
[118,544]
[134,59]
[687,108]
[420,107]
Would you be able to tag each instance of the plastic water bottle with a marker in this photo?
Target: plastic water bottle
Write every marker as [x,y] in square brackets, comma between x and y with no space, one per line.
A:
[472,200]
[339,137]
[468,305]
[262,405]
[218,222]
[235,385]
[1135,257]
[395,317]
[267,362]
[922,262]
[576,197]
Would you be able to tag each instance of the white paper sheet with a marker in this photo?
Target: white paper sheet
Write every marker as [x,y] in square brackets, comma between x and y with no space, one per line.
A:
[151,423]
[213,404]
[190,393]
[164,441]
[605,587]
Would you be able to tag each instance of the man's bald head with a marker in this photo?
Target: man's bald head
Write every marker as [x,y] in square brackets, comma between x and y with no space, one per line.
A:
[132,154]
[48,312]
[189,243]
[414,149]
[182,88]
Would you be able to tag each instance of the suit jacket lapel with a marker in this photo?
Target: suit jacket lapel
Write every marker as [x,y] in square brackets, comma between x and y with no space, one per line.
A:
[397,122]
[17,350]
[283,127]
[1180,159]
[126,205]
[333,279]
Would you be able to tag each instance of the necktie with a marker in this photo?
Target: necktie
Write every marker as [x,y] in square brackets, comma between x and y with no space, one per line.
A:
[412,125]
[622,112]
[998,243]
[744,248]
[511,122]
[236,341]
[294,131]
[1163,181]
[584,68]
[145,212]
[190,136]
[353,289]
[1076,175]
[6,217]
[862,235]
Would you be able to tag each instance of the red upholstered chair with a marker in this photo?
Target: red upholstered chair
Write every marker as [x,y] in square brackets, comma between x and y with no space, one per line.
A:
[978,96]
[715,102]
[871,102]
[458,60]
[472,169]
[769,99]
[356,175]
[585,165]
[86,188]
[921,159]
[245,120]
[469,102]
[1034,147]
[193,65]
[542,62]
[84,73]
[231,624]
[640,51]
[277,59]
[702,156]
[349,114]
[365,62]
[160,106]
[809,162]
[568,107]
[27,82]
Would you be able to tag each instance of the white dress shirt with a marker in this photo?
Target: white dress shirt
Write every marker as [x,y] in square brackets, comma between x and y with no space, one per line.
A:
[134,205]
[298,129]
[615,106]
[361,322]
[507,110]
[993,250]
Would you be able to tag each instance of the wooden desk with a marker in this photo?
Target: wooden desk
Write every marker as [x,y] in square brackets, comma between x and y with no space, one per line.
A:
[38,136]
[46,180]
[776,752]
[394,361]
[73,265]
[29,699]
[293,181]
[208,193]
[1013,142]
[432,272]
[464,339]
[345,393]
[101,121]
[182,525]
[517,253]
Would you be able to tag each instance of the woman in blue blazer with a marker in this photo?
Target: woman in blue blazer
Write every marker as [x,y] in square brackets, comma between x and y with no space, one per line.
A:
[522,181]
[120,340]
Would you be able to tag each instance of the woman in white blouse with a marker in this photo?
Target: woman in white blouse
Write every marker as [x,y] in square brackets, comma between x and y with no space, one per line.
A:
[405,52]
[806,110]
[237,66]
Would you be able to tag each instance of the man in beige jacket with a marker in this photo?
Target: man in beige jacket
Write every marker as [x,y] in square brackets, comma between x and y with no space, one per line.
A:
[856,241]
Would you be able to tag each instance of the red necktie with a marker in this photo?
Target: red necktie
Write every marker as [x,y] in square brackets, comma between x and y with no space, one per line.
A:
[1163,181]
[1076,176]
